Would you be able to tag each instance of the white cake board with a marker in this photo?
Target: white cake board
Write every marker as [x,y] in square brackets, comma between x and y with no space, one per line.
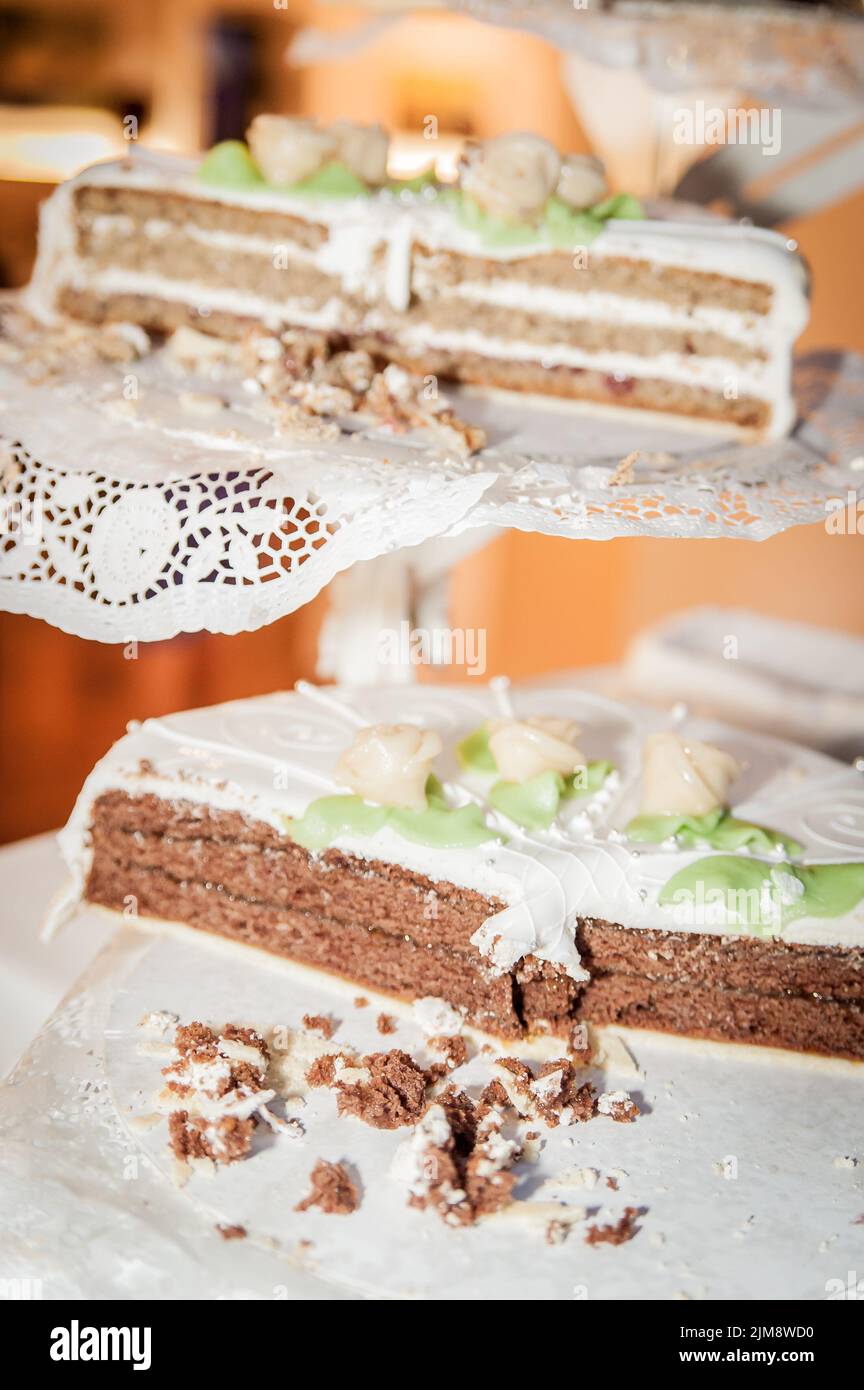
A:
[90,1210]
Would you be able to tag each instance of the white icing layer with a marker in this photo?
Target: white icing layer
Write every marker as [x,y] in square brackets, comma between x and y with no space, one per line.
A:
[268,758]
[368,250]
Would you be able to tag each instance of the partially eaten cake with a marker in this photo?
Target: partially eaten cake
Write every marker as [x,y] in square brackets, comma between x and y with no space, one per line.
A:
[525,276]
[460,845]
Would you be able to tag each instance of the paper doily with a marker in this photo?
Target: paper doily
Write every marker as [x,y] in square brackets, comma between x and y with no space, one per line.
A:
[191,511]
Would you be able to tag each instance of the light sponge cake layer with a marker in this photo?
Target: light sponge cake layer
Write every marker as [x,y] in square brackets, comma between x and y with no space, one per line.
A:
[693,320]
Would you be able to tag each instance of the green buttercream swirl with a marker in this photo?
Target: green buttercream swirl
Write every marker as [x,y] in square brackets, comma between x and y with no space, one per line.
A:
[757,894]
[438,826]
[534,803]
[717,828]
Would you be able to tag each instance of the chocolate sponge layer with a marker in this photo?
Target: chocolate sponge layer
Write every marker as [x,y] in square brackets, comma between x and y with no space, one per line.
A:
[390,929]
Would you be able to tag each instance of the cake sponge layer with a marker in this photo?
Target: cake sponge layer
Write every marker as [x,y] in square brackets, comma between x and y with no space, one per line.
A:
[394,930]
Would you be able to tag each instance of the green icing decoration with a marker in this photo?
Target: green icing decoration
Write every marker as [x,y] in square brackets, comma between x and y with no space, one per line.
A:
[334,180]
[716,828]
[474,752]
[438,826]
[416,184]
[560,224]
[830,890]
[230,165]
[534,804]
[747,888]
[622,206]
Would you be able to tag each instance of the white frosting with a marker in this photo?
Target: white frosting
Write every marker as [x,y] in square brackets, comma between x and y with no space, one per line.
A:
[270,757]
[359,228]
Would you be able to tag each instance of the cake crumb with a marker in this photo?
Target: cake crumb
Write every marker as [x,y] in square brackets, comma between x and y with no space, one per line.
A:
[215,1092]
[618,1233]
[553,1095]
[384,1089]
[619,1106]
[623,472]
[557,1232]
[232,1232]
[320,1023]
[846,1161]
[331,1189]
[386,1023]
[361,1002]
[453,1049]
[455,1163]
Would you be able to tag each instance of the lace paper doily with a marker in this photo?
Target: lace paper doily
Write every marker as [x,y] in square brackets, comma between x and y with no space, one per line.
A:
[137,505]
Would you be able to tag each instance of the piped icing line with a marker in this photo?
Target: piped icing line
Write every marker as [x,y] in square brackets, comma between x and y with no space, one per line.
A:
[328,701]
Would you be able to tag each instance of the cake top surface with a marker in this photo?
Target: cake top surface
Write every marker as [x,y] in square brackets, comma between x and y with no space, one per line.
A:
[654,820]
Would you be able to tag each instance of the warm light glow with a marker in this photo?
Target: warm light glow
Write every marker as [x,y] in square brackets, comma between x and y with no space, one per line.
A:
[410,154]
[44,144]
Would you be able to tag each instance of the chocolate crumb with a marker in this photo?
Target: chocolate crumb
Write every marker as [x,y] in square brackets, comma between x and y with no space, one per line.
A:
[322,1072]
[331,1189]
[612,1183]
[222,1140]
[320,1023]
[386,1023]
[453,1048]
[619,1106]
[494,1094]
[553,1095]
[387,1089]
[617,1234]
[232,1232]
[461,1161]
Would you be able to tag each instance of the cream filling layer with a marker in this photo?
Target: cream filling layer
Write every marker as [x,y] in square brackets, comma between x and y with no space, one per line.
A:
[715,373]
[599,305]
[759,379]
[756,330]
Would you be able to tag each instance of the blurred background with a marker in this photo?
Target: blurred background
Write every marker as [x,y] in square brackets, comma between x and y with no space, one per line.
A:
[190,72]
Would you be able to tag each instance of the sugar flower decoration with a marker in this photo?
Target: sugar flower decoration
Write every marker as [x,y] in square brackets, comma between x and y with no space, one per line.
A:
[525,748]
[389,764]
[682,777]
[363,148]
[581,182]
[288,149]
[511,176]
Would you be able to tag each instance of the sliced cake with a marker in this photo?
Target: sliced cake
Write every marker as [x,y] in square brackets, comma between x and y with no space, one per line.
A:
[525,276]
[465,847]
